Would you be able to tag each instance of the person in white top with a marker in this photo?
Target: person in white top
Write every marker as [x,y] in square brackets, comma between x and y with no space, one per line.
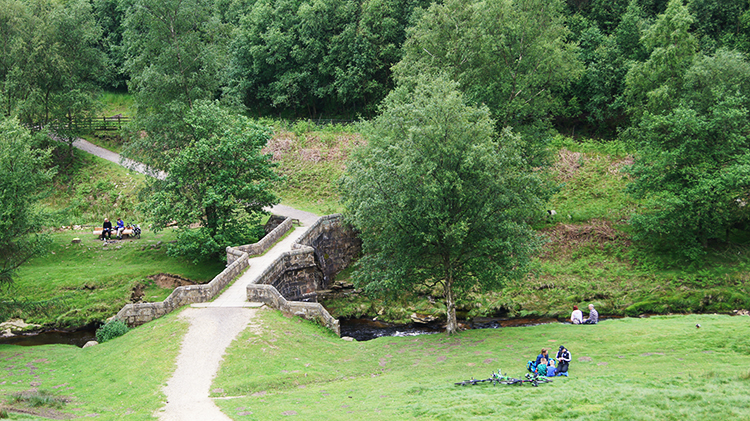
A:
[577,317]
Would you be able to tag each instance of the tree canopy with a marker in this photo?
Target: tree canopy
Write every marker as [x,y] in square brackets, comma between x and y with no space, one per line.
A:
[219,180]
[23,176]
[439,200]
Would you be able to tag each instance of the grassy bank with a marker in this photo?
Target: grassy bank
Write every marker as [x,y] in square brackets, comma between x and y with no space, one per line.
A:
[311,159]
[87,189]
[119,379]
[660,368]
[589,257]
[78,284]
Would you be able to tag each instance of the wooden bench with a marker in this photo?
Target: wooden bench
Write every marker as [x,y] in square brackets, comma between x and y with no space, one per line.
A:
[126,231]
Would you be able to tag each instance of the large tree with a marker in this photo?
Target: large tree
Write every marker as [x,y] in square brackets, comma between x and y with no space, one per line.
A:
[23,176]
[439,199]
[175,56]
[219,180]
[51,66]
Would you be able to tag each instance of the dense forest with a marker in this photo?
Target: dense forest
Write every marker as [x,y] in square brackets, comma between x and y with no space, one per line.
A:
[669,78]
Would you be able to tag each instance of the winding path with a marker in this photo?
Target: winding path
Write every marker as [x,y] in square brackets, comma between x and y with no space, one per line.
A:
[213,325]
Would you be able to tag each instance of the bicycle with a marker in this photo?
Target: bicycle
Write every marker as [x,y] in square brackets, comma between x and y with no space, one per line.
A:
[498,378]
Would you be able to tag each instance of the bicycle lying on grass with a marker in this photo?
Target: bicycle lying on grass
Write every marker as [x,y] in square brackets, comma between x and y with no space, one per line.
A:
[498,378]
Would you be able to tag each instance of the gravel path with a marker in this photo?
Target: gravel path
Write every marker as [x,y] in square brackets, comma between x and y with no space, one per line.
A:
[214,325]
[89,147]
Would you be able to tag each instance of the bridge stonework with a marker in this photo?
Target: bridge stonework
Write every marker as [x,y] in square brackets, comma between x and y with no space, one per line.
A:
[326,248]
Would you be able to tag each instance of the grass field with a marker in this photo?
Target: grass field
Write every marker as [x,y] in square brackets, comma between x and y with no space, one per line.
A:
[89,282]
[659,368]
[119,379]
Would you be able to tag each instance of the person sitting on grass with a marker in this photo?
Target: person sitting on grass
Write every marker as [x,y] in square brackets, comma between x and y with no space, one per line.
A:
[544,355]
[541,368]
[106,229]
[593,316]
[577,317]
[120,228]
[563,361]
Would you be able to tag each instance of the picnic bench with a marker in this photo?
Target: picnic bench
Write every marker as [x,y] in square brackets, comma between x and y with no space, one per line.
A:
[126,231]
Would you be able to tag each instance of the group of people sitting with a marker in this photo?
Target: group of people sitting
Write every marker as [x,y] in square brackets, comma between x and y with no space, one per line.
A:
[577,317]
[107,228]
[550,367]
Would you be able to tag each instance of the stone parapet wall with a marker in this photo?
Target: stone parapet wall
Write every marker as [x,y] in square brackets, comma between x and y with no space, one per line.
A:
[324,249]
[324,223]
[266,242]
[271,297]
[237,261]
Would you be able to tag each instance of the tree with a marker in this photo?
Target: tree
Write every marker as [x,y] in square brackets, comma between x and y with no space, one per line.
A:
[512,55]
[175,56]
[53,67]
[219,180]
[438,199]
[693,165]
[654,85]
[23,176]
[312,57]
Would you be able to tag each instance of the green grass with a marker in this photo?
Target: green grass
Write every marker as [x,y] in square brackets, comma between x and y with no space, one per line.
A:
[120,379]
[117,103]
[661,368]
[311,160]
[88,282]
[91,189]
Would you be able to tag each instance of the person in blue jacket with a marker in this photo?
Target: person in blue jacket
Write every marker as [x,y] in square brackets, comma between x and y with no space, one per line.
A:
[120,228]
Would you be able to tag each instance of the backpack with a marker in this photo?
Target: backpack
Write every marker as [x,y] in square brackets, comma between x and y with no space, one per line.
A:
[531,366]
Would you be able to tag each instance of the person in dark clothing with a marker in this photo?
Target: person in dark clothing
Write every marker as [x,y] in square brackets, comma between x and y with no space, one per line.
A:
[107,229]
[563,361]
[544,355]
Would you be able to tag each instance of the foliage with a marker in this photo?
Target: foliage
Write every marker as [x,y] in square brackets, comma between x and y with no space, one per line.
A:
[438,200]
[23,178]
[311,57]
[175,54]
[512,56]
[111,330]
[693,163]
[51,64]
[219,180]
[655,85]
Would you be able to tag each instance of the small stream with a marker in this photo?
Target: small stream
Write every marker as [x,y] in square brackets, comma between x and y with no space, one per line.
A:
[366,329]
[77,338]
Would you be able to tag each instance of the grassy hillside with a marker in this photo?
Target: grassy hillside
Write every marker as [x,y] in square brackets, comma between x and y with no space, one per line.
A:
[588,257]
[311,159]
[119,379]
[77,284]
[87,189]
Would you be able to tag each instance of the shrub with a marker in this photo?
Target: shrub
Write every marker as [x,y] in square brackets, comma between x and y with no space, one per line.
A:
[38,398]
[111,330]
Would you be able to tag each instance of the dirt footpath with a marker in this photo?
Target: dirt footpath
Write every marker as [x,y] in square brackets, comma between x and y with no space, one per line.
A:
[211,331]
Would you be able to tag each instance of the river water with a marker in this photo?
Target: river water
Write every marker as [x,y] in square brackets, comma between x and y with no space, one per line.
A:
[77,338]
[367,329]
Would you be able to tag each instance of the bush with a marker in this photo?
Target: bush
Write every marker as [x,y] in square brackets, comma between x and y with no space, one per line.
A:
[111,330]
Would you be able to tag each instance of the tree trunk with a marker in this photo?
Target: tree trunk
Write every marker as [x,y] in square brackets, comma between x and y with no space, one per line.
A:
[450,303]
